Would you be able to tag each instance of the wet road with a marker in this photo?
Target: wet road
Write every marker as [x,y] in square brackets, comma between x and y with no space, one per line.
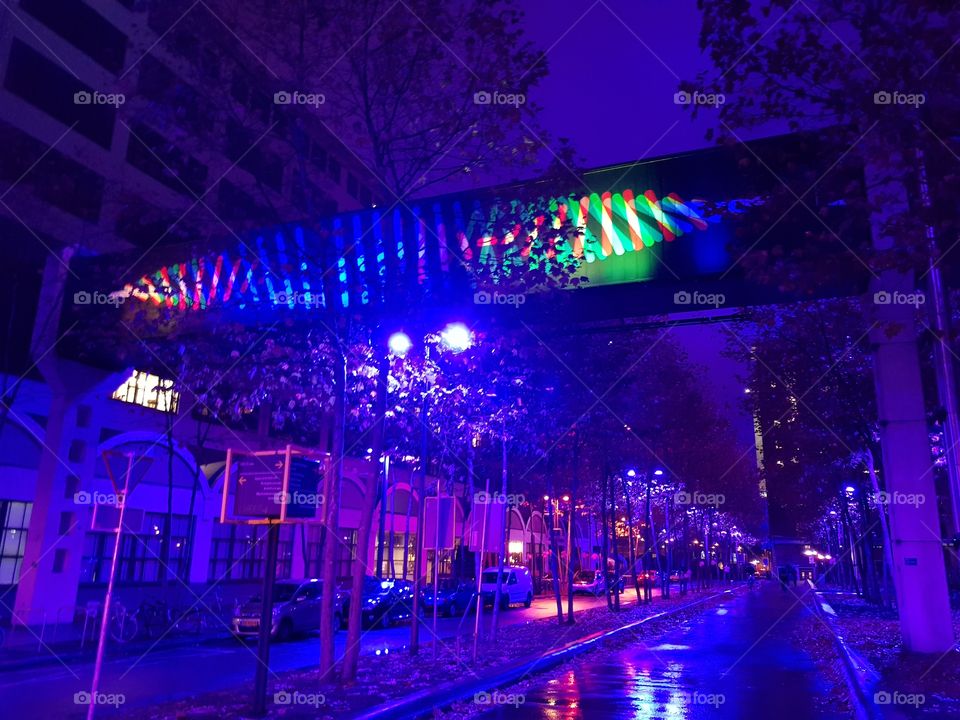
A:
[735,661]
[166,673]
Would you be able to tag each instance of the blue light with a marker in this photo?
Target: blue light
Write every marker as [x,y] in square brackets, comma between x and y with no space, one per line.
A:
[456,337]
[399,343]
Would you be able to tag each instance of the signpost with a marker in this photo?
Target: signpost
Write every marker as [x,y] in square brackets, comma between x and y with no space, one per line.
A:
[438,521]
[273,488]
[125,471]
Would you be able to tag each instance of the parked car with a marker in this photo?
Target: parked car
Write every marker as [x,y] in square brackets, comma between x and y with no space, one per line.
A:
[383,603]
[453,597]
[296,610]
[403,589]
[517,586]
[592,582]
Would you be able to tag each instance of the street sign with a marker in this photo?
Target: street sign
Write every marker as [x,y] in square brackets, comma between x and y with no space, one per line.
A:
[106,518]
[447,522]
[271,486]
[259,483]
[487,521]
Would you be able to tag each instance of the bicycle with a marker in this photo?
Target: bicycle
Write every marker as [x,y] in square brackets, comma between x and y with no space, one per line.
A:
[123,624]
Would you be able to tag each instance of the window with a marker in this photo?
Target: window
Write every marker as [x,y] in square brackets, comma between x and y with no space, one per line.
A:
[140,553]
[237,552]
[50,88]
[15,517]
[333,170]
[150,391]
[153,155]
[82,27]
[242,148]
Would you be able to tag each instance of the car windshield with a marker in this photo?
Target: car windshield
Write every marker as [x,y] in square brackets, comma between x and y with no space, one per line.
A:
[490,577]
[585,576]
[282,592]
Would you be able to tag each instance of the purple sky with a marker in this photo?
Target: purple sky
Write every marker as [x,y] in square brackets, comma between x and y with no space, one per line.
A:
[620,92]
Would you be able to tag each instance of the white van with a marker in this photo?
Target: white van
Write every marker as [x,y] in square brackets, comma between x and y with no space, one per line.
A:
[517,586]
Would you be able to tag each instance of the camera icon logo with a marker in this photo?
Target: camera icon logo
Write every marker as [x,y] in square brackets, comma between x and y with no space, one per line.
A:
[81,698]
[282,698]
[82,97]
[82,497]
[282,98]
[882,98]
[882,698]
[681,97]
[82,297]
[882,297]
[482,298]
[482,97]
[682,297]
[682,498]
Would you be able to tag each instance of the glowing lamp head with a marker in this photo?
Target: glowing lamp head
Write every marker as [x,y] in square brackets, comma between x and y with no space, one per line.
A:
[566,498]
[456,337]
[631,473]
[399,343]
[849,489]
[658,473]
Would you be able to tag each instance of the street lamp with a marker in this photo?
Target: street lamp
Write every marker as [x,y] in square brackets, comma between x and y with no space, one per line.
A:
[456,337]
[400,343]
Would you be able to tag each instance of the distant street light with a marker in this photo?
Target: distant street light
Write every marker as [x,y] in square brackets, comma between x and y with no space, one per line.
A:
[456,337]
[400,343]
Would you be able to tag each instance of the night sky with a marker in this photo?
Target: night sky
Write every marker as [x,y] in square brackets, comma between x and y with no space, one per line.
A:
[608,93]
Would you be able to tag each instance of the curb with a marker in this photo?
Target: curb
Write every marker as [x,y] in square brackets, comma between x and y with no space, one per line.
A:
[426,701]
[861,676]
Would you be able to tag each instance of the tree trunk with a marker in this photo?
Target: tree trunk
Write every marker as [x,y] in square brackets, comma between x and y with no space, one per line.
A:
[332,481]
[630,538]
[421,491]
[503,536]
[606,538]
[615,549]
[574,489]
[352,651]
[884,527]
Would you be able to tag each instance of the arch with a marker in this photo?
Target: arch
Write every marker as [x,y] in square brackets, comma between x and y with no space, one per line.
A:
[155,446]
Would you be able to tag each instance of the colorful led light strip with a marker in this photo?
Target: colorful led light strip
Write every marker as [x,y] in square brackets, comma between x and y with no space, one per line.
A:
[609,224]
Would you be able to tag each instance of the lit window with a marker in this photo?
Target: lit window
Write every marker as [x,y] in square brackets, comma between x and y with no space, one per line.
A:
[150,391]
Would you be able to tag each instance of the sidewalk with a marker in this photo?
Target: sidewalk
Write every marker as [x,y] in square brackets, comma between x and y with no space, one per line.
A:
[23,648]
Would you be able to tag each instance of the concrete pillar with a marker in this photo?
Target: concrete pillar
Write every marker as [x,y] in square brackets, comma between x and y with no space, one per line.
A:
[53,553]
[919,573]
